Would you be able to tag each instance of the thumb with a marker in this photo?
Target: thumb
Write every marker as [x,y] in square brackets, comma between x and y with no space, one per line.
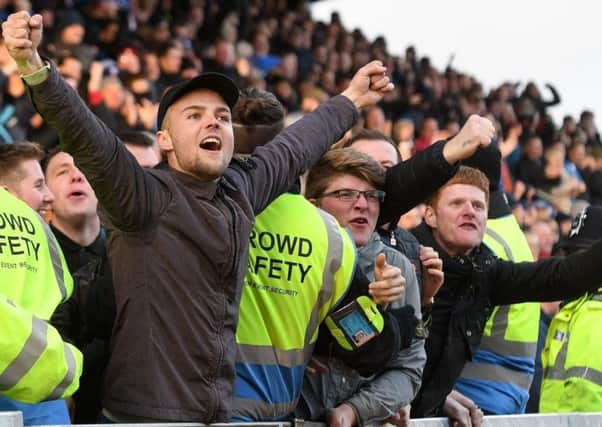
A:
[379,264]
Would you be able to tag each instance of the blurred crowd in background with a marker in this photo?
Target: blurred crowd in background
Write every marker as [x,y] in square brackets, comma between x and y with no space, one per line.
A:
[121,55]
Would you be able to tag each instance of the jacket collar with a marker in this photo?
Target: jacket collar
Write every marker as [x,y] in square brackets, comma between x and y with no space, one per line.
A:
[201,189]
[97,247]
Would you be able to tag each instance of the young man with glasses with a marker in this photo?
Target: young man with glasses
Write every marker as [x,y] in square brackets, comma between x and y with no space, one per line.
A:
[346,184]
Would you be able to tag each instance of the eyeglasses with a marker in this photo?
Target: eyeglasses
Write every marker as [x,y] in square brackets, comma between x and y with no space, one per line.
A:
[349,195]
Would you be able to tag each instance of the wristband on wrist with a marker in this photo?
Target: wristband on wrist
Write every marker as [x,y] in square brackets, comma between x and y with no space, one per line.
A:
[37,76]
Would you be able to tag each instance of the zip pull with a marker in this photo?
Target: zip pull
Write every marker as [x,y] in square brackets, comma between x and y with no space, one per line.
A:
[392,239]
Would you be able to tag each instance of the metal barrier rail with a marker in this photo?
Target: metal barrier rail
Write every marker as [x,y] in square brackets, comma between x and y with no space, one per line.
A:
[527,420]
[15,419]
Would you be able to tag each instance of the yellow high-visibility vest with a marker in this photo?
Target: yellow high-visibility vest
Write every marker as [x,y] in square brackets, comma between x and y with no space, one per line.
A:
[301,264]
[34,280]
[571,358]
[35,363]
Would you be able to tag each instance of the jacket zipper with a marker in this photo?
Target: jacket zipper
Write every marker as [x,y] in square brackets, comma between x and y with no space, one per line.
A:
[231,275]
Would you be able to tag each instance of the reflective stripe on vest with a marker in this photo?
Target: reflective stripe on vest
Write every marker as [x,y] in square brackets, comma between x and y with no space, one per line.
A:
[30,352]
[498,239]
[332,265]
[69,375]
[495,341]
[490,372]
[272,358]
[55,257]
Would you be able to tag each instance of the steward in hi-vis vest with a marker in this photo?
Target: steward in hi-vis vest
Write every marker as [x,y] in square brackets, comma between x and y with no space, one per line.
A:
[297,274]
[36,364]
[571,358]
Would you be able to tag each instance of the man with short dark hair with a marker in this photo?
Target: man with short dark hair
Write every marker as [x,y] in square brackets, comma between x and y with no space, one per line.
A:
[86,319]
[256,119]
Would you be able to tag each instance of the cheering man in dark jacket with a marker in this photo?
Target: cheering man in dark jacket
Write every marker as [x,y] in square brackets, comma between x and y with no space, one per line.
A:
[475,281]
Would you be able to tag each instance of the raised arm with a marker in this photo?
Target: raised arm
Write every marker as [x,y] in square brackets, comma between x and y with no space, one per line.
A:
[552,279]
[412,181]
[120,184]
[277,165]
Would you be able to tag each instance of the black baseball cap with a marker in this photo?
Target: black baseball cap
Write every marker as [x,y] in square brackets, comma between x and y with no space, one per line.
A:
[216,82]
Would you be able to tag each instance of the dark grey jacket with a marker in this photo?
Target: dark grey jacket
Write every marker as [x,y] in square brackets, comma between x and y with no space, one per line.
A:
[178,249]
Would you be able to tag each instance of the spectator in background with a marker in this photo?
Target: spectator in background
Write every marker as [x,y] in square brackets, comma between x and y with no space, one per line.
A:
[587,124]
[222,59]
[531,92]
[69,38]
[547,311]
[403,135]
[374,119]
[170,55]
[427,134]
[574,161]
[556,184]
[545,235]
[129,62]
[262,59]
[143,146]
[530,168]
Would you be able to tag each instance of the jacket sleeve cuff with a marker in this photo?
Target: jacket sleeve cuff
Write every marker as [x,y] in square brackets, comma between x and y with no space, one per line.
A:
[369,415]
[439,160]
[38,76]
[360,422]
